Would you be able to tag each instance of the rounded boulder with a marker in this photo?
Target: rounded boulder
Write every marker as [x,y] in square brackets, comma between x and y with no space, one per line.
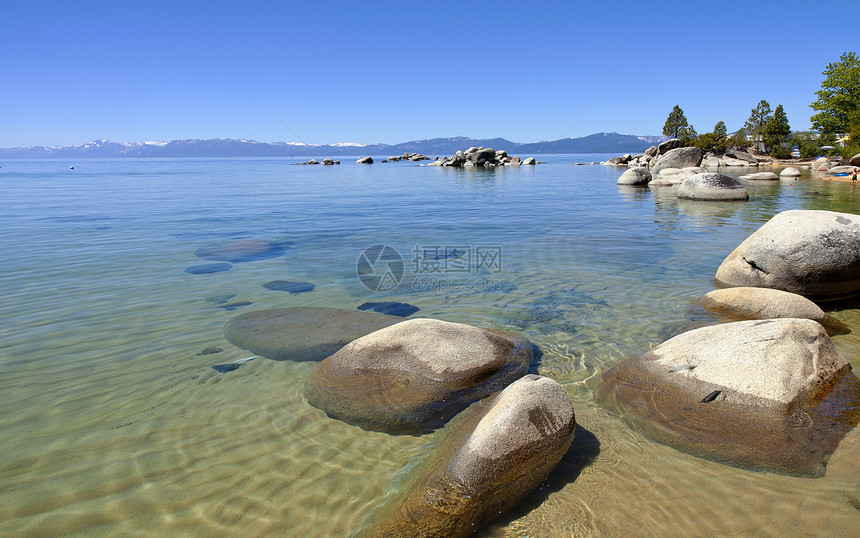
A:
[765,303]
[412,377]
[635,176]
[711,186]
[813,253]
[490,457]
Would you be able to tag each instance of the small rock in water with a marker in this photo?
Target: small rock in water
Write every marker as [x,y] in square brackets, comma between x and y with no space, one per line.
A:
[292,287]
[210,350]
[391,308]
[234,306]
[224,368]
[208,268]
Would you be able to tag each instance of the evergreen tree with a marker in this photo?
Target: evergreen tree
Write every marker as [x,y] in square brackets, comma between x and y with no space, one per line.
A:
[676,124]
[759,116]
[839,96]
[720,132]
[776,132]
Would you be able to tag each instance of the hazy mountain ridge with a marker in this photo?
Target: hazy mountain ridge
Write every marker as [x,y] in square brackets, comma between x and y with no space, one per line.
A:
[227,147]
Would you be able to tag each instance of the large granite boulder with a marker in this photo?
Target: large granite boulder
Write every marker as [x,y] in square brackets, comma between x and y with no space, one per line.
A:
[365,160]
[855,160]
[760,176]
[711,186]
[765,303]
[810,252]
[821,164]
[790,172]
[764,394]
[490,457]
[302,334]
[635,176]
[668,145]
[841,170]
[678,158]
[741,156]
[414,376]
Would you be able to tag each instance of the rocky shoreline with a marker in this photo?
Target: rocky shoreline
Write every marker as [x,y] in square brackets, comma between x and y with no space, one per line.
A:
[758,383]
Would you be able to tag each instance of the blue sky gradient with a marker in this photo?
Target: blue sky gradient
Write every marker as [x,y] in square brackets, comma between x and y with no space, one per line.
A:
[388,72]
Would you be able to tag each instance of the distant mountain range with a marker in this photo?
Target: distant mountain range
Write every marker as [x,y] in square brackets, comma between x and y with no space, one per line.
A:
[226,147]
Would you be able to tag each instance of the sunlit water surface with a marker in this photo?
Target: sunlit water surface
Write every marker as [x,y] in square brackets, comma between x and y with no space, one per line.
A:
[114,421]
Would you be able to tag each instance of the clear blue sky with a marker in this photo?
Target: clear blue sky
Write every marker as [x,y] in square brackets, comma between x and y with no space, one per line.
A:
[389,72]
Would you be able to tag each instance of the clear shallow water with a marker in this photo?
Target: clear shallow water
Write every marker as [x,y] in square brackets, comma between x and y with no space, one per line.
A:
[114,422]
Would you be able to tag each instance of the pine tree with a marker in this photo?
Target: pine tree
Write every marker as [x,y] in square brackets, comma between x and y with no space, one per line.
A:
[776,132]
[759,116]
[676,124]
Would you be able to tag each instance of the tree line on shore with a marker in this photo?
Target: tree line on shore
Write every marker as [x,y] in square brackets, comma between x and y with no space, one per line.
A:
[837,120]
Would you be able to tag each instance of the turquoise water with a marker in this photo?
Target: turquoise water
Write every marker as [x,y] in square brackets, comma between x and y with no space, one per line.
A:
[115,422]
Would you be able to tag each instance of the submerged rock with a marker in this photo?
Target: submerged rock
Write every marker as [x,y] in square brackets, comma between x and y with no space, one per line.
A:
[712,187]
[810,252]
[414,376]
[771,394]
[490,457]
[242,251]
[291,287]
[301,334]
[765,303]
[208,268]
[391,308]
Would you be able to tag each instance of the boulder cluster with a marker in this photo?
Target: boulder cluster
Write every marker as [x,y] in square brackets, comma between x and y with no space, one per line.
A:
[733,392]
[407,157]
[382,373]
[486,157]
[325,162]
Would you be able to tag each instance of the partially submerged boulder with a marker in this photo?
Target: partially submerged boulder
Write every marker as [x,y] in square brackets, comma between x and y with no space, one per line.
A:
[763,394]
[635,176]
[760,176]
[712,187]
[302,334]
[490,457]
[810,252]
[790,172]
[414,376]
[765,303]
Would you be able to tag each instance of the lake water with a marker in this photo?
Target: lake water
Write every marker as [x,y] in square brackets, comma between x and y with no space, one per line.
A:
[114,421]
